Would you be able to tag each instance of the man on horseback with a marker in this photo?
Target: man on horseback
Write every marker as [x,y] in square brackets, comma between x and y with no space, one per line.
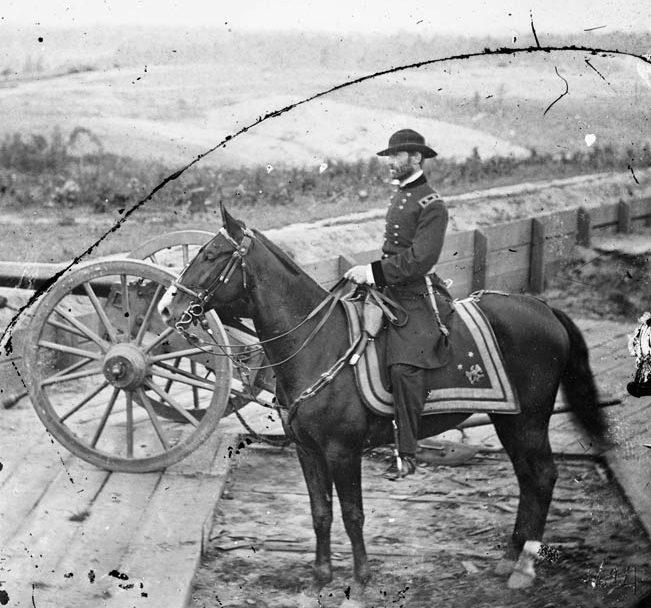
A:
[416,223]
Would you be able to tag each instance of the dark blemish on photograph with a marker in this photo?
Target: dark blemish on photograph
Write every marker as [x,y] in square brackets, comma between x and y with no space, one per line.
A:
[279,112]
[533,29]
[630,168]
[563,94]
[119,575]
[597,71]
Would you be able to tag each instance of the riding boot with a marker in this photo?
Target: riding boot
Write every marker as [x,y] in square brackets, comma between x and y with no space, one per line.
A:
[409,394]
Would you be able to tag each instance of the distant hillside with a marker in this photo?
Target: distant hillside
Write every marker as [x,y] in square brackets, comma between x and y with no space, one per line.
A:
[171,94]
[101,47]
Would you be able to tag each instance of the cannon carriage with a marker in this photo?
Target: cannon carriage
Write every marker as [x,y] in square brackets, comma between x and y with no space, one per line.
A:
[110,381]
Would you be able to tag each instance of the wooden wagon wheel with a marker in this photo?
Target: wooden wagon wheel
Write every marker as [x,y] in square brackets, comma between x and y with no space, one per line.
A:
[174,250]
[100,364]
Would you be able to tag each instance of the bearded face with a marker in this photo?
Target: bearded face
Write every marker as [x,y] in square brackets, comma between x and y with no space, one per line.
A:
[403,164]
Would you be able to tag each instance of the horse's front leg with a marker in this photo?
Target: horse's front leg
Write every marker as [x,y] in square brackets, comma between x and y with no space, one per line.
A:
[346,467]
[319,487]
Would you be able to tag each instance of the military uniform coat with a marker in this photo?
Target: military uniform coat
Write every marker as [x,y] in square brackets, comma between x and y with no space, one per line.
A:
[416,223]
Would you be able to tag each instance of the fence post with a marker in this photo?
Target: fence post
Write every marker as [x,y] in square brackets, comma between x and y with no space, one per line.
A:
[479,266]
[537,260]
[344,262]
[624,217]
[583,228]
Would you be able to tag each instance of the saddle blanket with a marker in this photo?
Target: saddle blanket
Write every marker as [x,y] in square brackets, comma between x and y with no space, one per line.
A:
[474,380]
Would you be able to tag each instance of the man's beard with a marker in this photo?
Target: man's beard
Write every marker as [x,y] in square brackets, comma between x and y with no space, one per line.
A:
[402,172]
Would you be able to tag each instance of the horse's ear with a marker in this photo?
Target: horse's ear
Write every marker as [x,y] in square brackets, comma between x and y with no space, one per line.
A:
[233,226]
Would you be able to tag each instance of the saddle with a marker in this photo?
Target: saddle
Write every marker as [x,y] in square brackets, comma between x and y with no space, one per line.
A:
[474,379]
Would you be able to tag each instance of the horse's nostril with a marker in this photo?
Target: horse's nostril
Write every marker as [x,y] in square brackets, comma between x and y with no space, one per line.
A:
[164,313]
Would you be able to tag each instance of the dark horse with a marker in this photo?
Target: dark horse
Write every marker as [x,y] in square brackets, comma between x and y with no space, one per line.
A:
[542,348]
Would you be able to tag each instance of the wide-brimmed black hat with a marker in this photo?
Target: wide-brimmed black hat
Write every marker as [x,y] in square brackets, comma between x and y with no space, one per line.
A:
[407,140]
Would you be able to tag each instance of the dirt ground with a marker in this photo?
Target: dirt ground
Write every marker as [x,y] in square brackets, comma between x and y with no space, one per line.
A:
[435,542]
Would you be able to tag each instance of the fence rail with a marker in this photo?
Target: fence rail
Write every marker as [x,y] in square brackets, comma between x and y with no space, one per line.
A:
[515,256]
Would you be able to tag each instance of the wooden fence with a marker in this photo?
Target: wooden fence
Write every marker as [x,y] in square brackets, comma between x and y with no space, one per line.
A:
[515,256]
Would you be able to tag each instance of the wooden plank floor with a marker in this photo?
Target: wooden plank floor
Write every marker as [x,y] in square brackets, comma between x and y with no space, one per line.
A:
[74,535]
[630,422]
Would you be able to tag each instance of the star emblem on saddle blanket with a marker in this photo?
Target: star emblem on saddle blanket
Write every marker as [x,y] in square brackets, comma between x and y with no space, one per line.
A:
[475,373]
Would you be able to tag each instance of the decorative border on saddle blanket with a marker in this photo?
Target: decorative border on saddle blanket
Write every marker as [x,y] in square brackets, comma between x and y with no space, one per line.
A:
[500,398]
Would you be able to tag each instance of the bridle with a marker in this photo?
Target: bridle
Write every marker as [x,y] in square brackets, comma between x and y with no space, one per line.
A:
[196,309]
[194,313]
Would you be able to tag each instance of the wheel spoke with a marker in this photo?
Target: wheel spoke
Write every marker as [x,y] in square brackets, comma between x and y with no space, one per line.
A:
[129,396]
[71,368]
[152,258]
[175,404]
[148,314]
[83,402]
[68,328]
[168,384]
[154,420]
[163,336]
[182,377]
[180,353]
[87,331]
[186,254]
[195,391]
[176,369]
[126,308]
[64,348]
[101,313]
[105,415]
[57,379]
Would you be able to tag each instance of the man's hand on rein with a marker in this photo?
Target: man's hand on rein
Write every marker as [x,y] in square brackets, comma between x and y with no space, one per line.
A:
[362,275]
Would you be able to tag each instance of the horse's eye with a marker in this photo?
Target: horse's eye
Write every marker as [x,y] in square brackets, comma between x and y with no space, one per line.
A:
[209,256]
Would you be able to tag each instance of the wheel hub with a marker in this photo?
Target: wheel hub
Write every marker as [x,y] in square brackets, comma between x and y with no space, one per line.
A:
[125,366]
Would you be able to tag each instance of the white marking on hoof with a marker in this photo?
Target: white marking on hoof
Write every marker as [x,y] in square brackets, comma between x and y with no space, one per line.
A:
[524,573]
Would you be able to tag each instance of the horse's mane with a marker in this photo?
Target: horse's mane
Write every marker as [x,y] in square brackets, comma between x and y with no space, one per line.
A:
[281,255]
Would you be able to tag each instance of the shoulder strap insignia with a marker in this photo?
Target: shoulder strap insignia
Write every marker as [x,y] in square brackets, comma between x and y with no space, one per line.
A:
[430,198]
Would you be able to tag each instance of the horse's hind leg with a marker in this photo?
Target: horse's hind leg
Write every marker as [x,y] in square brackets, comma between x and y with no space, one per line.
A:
[529,450]
[346,467]
[319,487]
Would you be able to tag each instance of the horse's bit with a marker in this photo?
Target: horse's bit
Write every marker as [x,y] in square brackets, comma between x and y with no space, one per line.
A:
[196,309]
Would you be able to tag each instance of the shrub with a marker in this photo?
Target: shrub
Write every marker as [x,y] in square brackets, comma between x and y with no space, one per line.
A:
[76,170]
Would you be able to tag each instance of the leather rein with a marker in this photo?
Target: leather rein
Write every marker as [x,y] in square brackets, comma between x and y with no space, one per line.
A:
[195,311]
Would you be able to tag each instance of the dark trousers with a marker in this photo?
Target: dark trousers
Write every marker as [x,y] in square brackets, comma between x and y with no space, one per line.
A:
[409,394]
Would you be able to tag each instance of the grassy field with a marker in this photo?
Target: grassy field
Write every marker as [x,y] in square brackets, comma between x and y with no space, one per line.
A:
[94,125]
[174,101]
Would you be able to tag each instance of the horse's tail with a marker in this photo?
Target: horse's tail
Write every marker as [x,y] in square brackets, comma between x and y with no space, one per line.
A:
[578,381]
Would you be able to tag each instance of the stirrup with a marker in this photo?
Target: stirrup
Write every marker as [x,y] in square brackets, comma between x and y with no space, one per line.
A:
[395,472]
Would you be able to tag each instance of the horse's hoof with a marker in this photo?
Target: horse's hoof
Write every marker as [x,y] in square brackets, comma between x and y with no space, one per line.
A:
[363,577]
[322,576]
[521,579]
[524,572]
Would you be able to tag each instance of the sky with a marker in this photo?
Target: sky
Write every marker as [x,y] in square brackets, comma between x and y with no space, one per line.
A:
[475,17]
